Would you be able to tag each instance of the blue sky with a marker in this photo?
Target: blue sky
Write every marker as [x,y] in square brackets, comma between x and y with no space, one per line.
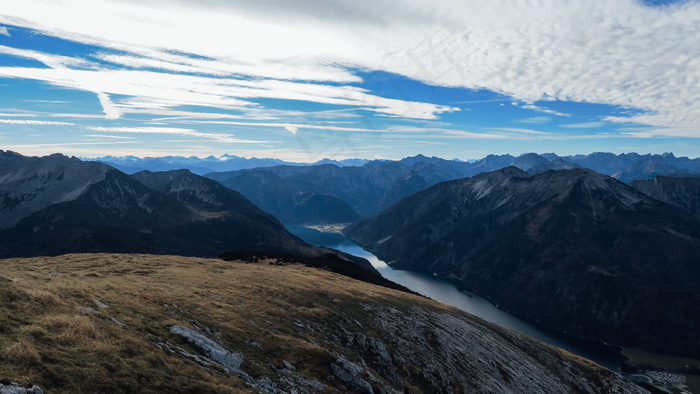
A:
[341,79]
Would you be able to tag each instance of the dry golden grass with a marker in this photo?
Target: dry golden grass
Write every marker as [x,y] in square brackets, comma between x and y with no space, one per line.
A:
[55,331]
[100,322]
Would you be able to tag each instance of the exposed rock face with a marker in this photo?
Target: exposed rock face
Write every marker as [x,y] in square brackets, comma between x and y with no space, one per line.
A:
[374,351]
[448,354]
[574,249]
[681,191]
[228,361]
[8,387]
[351,374]
[29,184]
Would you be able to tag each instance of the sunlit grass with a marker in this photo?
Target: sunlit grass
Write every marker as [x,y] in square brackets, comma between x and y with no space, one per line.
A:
[60,320]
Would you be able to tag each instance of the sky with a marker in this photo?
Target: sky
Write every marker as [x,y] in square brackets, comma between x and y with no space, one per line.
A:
[312,79]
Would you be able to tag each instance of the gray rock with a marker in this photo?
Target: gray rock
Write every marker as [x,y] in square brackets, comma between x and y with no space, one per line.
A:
[6,279]
[15,388]
[100,305]
[288,365]
[350,374]
[374,351]
[86,309]
[231,362]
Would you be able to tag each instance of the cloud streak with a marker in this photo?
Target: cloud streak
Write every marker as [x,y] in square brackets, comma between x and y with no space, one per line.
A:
[35,122]
[228,138]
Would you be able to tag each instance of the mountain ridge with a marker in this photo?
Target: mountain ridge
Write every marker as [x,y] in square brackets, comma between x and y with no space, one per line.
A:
[109,211]
[570,248]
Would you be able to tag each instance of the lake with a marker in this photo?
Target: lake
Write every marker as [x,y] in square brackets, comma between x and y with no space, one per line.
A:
[452,293]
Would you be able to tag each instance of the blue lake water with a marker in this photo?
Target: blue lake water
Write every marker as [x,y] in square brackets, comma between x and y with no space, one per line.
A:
[450,292]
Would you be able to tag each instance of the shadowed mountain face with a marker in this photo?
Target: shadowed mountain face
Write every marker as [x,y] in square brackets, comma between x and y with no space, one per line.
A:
[574,249]
[89,207]
[321,209]
[29,184]
[681,191]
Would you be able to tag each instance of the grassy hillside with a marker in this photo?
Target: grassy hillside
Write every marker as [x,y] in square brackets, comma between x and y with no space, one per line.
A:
[102,323]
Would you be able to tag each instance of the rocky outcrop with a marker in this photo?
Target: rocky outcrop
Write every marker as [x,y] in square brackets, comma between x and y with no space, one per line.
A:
[9,387]
[230,362]
[375,353]
[351,374]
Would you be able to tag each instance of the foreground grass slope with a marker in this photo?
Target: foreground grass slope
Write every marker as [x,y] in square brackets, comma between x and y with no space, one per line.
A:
[104,323]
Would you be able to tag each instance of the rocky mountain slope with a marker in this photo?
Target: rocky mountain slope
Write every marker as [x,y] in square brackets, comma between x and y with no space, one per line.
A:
[574,249]
[140,323]
[681,191]
[73,206]
[29,184]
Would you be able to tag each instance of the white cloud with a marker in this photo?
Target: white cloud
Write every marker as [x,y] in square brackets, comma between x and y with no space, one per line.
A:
[587,125]
[50,60]
[114,137]
[535,120]
[178,90]
[544,110]
[682,132]
[621,52]
[35,122]
[4,31]
[111,111]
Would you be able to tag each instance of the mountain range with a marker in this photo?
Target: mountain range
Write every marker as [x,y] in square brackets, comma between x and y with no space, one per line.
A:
[133,164]
[574,249]
[378,184]
[625,167]
[56,204]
